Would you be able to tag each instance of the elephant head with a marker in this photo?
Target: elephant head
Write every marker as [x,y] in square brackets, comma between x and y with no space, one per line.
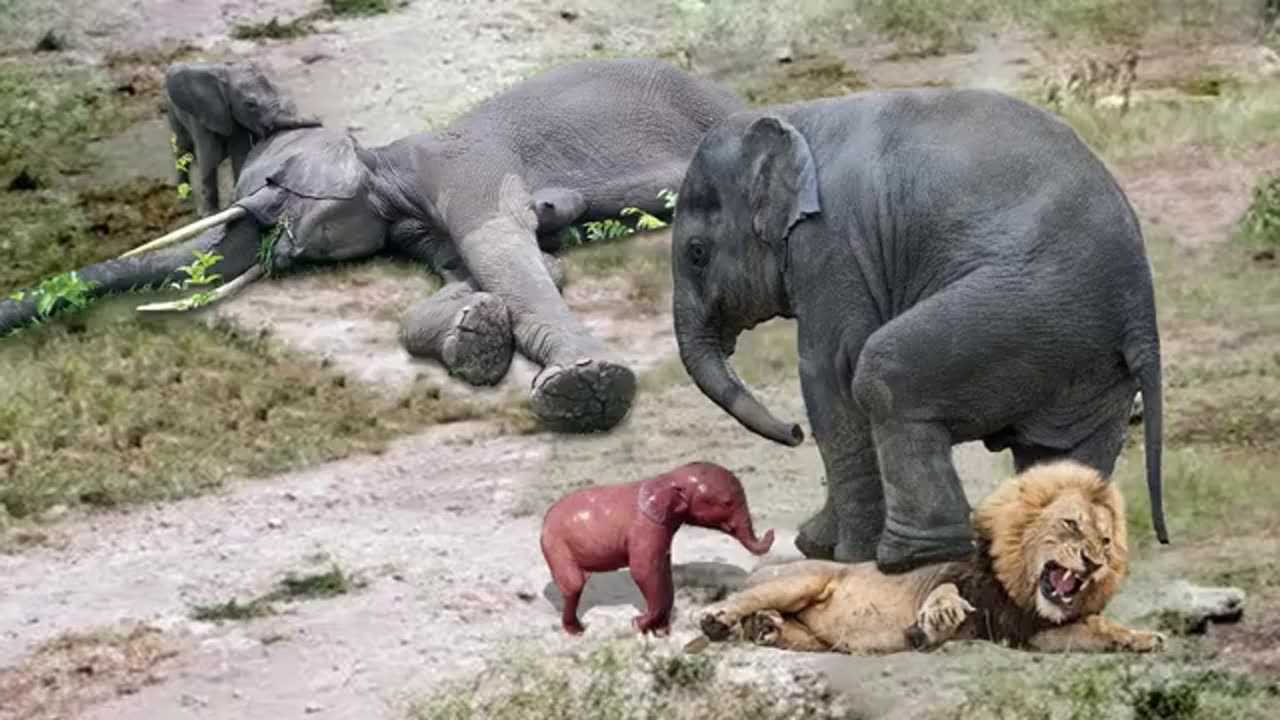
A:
[705,495]
[224,96]
[750,181]
[305,195]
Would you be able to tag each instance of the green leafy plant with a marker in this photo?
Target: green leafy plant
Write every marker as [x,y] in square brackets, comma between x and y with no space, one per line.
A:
[66,288]
[293,587]
[607,229]
[612,228]
[198,275]
[1261,222]
[267,248]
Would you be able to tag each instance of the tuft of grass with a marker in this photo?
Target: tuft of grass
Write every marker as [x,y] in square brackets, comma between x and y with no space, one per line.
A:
[101,412]
[1261,222]
[274,29]
[619,681]
[1115,688]
[361,8]
[293,587]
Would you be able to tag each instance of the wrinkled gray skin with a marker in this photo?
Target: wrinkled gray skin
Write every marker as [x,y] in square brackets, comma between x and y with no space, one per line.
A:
[960,266]
[475,200]
[219,110]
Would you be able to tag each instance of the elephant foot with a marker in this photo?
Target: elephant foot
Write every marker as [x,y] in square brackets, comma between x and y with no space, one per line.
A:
[816,539]
[902,549]
[589,396]
[478,346]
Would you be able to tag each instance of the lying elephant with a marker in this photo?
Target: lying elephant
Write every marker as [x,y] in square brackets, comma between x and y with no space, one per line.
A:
[577,143]
[960,265]
[219,110]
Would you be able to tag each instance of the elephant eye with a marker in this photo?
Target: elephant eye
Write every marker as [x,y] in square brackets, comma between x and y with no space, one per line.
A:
[698,252]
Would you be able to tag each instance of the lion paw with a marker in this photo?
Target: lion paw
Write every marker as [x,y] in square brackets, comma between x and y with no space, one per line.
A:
[1143,641]
[763,628]
[716,624]
[943,612]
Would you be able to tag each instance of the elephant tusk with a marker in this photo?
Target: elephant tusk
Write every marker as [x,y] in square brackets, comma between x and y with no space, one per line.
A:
[202,299]
[190,231]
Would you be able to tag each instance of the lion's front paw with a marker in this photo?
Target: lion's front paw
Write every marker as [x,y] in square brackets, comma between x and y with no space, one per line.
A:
[716,624]
[1142,641]
[763,628]
[943,612]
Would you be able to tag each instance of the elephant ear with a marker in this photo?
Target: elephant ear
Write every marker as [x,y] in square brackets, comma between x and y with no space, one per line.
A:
[784,178]
[320,163]
[200,89]
[662,501]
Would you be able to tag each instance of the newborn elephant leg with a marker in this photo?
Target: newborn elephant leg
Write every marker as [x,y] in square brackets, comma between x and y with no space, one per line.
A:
[467,331]
[653,577]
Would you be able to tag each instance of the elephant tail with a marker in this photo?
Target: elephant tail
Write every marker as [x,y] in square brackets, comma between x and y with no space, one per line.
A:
[1144,362]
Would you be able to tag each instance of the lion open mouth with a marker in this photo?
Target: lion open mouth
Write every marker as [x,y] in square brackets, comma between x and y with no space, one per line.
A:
[1060,585]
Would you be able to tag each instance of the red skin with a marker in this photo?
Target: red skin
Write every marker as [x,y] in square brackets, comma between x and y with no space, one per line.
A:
[606,528]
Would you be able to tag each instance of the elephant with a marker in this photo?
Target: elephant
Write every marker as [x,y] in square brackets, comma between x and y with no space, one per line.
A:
[576,143]
[960,266]
[219,110]
[599,529]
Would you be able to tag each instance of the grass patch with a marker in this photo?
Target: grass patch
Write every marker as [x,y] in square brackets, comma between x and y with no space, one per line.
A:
[615,681]
[1119,688]
[1208,492]
[294,587]
[102,413]
[1260,225]
[361,8]
[1236,117]
[274,29]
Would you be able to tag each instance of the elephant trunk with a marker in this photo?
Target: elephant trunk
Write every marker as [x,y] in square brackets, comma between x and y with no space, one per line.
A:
[742,531]
[236,243]
[705,360]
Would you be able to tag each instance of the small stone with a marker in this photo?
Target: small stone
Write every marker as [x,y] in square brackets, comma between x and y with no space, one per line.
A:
[783,55]
[275,523]
[313,708]
[568,15]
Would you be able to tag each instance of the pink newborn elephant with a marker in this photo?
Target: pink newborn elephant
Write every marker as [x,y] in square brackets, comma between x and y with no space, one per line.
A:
[631,525]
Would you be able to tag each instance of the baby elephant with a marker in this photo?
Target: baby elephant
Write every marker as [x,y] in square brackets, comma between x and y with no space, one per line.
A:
[631,525]
[219,110]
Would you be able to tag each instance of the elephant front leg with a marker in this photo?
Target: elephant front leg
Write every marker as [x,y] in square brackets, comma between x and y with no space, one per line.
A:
[210,151]
[653,577]
[848,527]
[582,387]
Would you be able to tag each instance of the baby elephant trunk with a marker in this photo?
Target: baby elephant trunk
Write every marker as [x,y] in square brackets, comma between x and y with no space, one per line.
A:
[740,528]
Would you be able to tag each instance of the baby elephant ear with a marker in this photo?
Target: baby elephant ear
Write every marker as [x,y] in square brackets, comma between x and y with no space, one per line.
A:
[784,180]
[662,501]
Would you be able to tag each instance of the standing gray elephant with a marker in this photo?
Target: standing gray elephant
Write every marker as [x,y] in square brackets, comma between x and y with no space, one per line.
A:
[219,110]
[577,143]
[961,266]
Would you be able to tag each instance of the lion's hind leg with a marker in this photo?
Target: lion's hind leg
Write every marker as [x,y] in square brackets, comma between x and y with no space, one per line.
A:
[770,628]
[788,594]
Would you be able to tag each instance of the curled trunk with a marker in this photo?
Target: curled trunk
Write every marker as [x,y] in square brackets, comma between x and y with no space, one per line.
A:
[743,531]
[706,362]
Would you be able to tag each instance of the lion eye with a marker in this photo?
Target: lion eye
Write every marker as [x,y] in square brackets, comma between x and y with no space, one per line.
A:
[1072,525]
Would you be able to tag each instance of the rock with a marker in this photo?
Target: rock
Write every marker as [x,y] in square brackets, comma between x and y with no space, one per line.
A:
[313,708]
[275,523]
[783,55]
[1187,609]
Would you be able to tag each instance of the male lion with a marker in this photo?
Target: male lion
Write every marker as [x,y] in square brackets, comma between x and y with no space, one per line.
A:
[1051,552]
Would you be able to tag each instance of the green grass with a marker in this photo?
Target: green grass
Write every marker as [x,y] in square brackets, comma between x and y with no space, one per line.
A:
[1099,689]
[361,8]
[616,681]
[294,587]
[101,412]
[1261,224]
[274,29]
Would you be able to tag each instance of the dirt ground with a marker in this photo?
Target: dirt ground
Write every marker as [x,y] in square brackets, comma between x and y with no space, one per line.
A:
[442,526]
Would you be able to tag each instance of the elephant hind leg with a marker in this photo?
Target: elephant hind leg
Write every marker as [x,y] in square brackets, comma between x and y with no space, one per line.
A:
[587,396]
[467,331]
